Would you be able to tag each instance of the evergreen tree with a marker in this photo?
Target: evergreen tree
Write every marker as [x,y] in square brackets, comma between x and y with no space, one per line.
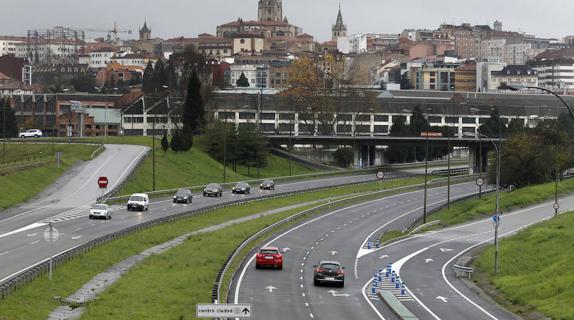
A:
[164,143]
[194,112]
[160,77]
[171,77]
[9,121]
[242,81]
[405,81]
[148,79]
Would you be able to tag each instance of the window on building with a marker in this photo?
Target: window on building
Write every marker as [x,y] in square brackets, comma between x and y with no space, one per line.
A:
[381,118]
[247,115]
[267,116]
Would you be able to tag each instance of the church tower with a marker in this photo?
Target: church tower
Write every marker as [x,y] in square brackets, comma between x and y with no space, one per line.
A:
[145,32]
[270,10]
[339,28]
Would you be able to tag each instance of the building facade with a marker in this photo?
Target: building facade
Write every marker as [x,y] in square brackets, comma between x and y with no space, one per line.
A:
[270,10]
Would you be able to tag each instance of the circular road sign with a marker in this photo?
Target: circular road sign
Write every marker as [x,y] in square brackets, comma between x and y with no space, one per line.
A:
[556,206]
[51,234]
[480,182]
[380,175]
[103,182]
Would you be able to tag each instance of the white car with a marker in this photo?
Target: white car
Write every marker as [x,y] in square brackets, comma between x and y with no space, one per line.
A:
[32,133]
[101,211]
[138,201]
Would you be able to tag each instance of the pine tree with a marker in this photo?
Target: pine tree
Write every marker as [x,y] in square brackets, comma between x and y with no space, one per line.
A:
[242,81]
[164,143]
[175,141]
[9,121]
[160,76]
[148,79]
[171,77]
[194,112]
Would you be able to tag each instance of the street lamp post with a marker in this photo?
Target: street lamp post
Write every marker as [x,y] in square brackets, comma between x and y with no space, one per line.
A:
[426,173]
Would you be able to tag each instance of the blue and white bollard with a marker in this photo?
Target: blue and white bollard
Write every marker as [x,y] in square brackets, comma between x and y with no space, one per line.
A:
[398,282]
[378,244]
[393,275]
[369,244]
[373,290]
[403,289]
[380,276]
[389,268]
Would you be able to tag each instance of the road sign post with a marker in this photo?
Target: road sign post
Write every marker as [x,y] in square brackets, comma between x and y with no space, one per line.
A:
[381,175]
[223,310]
[103,184]
[51,235]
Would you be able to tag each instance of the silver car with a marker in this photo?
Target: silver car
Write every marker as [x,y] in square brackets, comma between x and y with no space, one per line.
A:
[101,211]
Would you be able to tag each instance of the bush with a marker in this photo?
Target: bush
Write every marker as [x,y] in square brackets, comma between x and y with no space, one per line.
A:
[343,157]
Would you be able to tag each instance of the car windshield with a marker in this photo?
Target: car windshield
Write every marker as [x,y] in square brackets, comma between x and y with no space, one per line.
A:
[212,186]
[241,185]
[137,198]
[182,193]
[269,251]
[100,207]
[330,266]
[267,182]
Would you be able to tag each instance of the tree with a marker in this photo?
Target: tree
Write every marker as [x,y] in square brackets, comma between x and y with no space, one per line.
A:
[343,157]
[9,121]
[160,76]
[164,143]
[491,126]
[171,77]
[148,79]
[242,81]
[221,138]
[405,81]
[194,112]
[251,146]
[84,83]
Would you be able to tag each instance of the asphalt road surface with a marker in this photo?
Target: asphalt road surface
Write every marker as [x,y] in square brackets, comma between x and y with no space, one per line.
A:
[339,235]
[22,243]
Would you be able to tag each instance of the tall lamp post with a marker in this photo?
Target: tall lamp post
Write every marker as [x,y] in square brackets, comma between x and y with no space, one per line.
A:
[570,111]
[426,172]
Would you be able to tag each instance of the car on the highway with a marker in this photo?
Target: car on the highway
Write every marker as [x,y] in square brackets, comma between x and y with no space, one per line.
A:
[267,185]
[183,196]
[101,211]
[213,189]
[269,257]
[31,133]
[241,187]
[329,272]
[138,201]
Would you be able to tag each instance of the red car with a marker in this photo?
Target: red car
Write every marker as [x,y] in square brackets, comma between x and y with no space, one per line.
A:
[269,257]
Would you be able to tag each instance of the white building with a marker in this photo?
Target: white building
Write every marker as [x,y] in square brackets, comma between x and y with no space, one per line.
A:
[48,52]
[556,75]
[484,79]
[358,43]
[131,59]
[8,45]
[250,71]
[100,58]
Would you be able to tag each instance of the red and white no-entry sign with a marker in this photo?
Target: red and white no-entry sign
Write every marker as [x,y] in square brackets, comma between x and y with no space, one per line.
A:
[103,182]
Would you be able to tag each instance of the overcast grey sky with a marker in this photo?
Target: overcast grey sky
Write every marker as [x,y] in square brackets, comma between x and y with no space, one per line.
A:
[171,18]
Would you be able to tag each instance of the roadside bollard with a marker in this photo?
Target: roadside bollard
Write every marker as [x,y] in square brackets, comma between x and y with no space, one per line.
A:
[373,290]
[398,282]
[389,268]
[403,289]
[378,244]
[369,244]
[393,275]
[380,276]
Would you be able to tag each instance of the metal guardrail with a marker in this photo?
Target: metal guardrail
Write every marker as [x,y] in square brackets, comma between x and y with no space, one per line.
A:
[216,290]
[42,267]
[454,171]
[462,271]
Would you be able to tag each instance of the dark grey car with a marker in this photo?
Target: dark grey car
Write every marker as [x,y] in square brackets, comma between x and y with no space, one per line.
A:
[241,187]
[183,196]
[329,272]
[267,185]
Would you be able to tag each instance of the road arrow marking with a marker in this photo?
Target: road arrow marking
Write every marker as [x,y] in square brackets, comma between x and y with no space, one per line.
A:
[445,250]
[428,260]
[443,299]
[337,294]
[286,249]
[383,256]
[334,253]
[245,311]
[270,288]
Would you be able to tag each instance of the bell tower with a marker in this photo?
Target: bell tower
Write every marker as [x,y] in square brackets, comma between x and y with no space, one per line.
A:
[270,10]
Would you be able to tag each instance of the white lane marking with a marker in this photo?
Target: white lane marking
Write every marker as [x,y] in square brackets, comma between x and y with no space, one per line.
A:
[34,242]
[306,304]
[31,234]
[303,294]
[311,315]
[364,291]
[3,253]
[441,298]
[301,286]
[76,237]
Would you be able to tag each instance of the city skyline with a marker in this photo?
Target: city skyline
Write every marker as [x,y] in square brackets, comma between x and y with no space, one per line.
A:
[184,18]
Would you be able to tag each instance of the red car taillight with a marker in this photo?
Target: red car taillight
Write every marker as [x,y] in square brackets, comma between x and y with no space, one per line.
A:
[340,272]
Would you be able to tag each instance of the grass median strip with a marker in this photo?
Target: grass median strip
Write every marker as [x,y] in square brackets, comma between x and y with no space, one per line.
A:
[71,276]
[535,274]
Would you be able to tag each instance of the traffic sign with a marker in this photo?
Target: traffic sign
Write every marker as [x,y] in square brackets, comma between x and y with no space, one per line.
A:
[103,182]
[380,175]
[480,182]
[496,218]
[51,234]
[556,206]
[223,310]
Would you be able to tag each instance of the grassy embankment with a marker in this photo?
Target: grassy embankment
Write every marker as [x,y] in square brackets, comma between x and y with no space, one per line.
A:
[18,184]
[535,274]
[165,286]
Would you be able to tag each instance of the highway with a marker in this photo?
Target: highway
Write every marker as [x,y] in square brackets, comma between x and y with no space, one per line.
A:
[22,243]
[338,235]
[424,262]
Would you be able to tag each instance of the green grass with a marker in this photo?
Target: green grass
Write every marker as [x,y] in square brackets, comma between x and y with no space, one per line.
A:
[71,276]
[536,271]
[21,185]
[20,153]
[464,211]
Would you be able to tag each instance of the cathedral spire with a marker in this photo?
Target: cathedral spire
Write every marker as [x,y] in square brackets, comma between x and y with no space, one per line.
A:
[339,28]
[339,17]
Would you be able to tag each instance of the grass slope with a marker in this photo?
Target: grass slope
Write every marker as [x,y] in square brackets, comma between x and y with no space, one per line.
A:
[19,186]
[536,271]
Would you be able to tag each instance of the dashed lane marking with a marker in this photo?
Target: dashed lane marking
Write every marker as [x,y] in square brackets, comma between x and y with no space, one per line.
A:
[34,242]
